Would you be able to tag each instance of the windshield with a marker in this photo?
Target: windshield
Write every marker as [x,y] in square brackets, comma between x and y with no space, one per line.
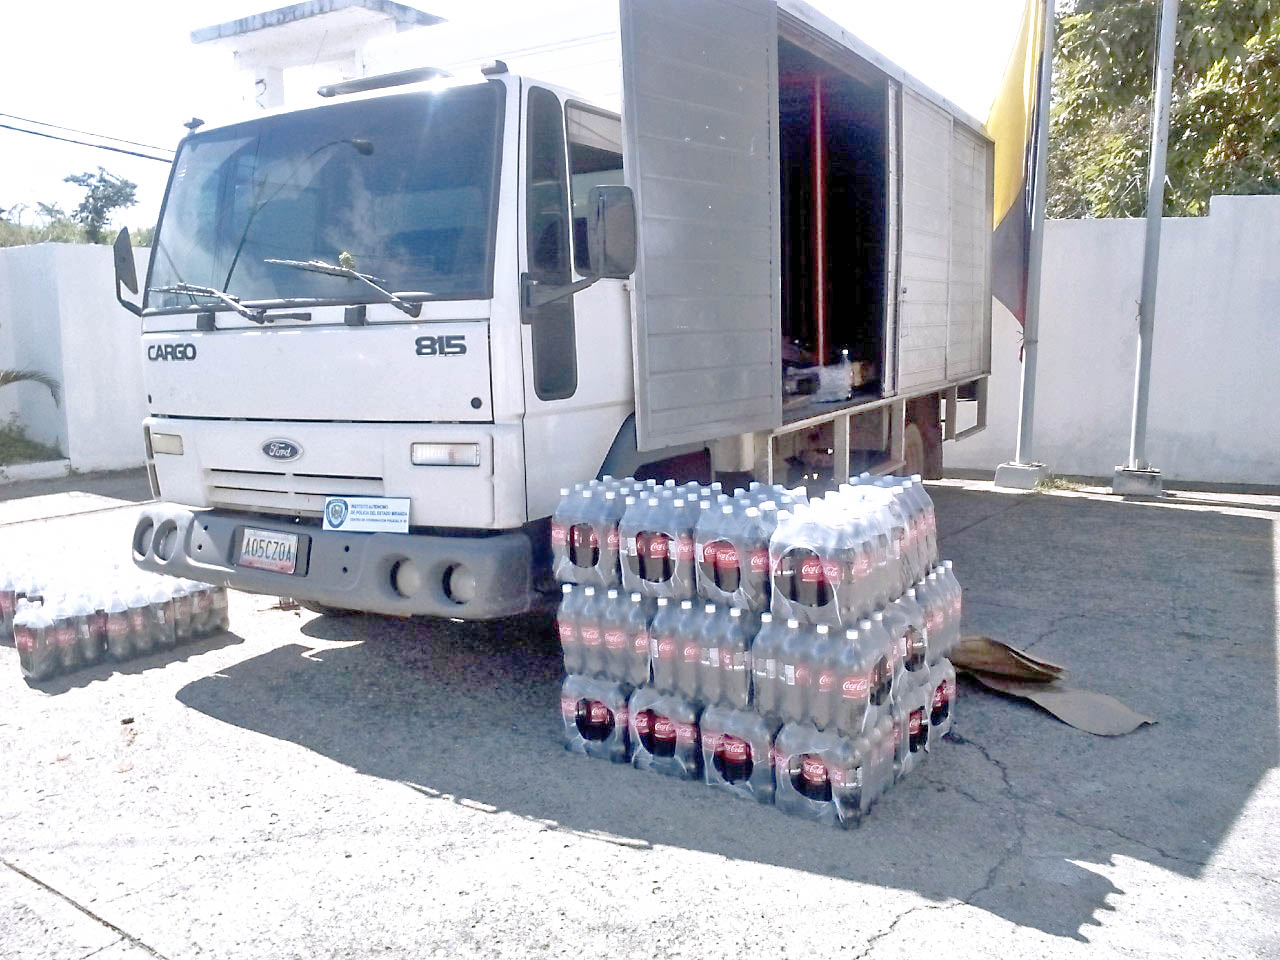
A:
[402,189]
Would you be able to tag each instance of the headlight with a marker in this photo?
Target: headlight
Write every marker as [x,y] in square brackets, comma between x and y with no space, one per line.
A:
[169,443]
[445,454]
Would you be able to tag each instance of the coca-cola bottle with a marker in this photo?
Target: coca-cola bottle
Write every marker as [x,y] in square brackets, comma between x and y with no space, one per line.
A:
[782,566]
[736,752]
[631,535]
[202,622]
[614,637]
[62,633]
[120,643]
[879,652]
[88,640]
[956,608]
[636,620]
[37,657]
[907,624]
[591,631]
[160,619]
[139,613]
[683,516]
[765,649]
[656,553]
[795,671]
[567,626]
[183,611]
[8,601]
[706,539]
[942,695]
[584,538]
[608,562]
[561,522]
[664,643]
[735,660]
[823,695]
[754,584]
[713,629]
[853,686]
[688,649]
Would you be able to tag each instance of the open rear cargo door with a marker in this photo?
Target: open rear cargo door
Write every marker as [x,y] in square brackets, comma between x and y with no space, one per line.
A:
[700,136]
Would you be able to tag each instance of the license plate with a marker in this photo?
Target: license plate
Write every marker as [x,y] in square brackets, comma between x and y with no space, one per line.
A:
[269,550]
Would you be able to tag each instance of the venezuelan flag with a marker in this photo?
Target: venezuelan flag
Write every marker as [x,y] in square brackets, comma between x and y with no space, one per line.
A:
[1012,125]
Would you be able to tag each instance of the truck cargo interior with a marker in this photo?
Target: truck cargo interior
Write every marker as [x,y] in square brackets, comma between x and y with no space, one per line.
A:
[833,161]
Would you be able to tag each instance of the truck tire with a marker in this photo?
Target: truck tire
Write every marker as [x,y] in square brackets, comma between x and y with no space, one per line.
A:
[922,440]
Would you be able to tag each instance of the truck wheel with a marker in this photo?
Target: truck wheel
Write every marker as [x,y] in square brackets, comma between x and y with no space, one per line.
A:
[922,439]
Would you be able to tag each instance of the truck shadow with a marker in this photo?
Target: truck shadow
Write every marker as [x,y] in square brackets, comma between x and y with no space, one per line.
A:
[1020,815]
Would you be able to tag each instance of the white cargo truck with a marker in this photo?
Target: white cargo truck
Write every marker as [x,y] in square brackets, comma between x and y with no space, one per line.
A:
[382,333]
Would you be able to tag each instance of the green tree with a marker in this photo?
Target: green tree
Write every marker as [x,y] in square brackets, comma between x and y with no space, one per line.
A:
[104,194]
[1224,130]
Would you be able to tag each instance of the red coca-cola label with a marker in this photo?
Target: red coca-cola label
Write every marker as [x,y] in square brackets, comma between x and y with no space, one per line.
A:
[590,635]
[837,777]
[726,554]
[686,732]
[811,570]
[914,722]
[568,707]
[8,601]
[802,675]
[831,570]
[855,687]
[760,561]
[734,749]
[684,550]
[861,566]
[666,648]
[615,638]
[897,735]
[559,534]
[622,717]
[826,681]
[640,642]
[117,626]
[24,639]
[711,740]
[934,620]
[691,652]
[656,547]
[136,619]
[65,635]
[598,713]
[942,695]
[726,658]
[813,769]
[641,721]
[613,539]
[664,728]
[567,636]
[777,758]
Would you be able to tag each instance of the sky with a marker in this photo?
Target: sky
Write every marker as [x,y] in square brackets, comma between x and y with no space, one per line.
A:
[129,70]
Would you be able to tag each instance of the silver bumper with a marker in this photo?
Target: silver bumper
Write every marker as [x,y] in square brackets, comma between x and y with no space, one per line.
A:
[347,570]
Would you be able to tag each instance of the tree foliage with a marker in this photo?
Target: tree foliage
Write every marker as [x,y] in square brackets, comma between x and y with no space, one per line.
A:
[104,194]
[1224,131]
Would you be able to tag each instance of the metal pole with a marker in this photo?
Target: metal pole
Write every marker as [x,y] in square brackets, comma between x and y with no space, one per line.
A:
[1035,255]
[1151,252]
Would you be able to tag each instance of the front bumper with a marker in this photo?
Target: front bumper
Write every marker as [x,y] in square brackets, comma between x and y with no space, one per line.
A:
[346,570]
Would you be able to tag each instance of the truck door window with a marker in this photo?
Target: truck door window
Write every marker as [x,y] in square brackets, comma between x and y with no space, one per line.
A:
[555,363]
[595,159]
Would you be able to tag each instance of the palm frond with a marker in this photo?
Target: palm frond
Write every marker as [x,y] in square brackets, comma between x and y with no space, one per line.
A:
[33,376]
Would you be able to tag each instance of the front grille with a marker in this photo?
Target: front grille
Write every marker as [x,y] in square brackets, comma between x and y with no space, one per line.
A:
[273,491]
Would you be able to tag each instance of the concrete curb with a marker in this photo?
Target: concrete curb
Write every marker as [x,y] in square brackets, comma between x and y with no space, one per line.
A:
[43,470]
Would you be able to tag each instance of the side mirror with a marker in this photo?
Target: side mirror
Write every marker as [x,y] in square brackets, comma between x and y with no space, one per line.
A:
[611,232]
[126,273]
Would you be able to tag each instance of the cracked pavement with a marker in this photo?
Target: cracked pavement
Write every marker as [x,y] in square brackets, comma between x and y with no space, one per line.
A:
[318,787]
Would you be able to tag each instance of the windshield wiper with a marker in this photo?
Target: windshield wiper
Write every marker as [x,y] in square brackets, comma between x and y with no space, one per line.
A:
[319,266]
[257,316]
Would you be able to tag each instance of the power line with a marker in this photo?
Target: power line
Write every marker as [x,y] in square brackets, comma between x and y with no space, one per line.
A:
[85,143]
[86,133]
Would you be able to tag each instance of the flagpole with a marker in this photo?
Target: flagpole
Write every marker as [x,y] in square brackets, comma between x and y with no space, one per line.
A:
[1024,473]
[1139,477]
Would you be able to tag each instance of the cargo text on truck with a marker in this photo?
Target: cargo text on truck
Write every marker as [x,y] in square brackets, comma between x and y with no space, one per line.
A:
[451,296]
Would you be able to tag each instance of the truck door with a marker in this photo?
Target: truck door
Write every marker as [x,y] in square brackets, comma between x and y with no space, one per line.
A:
[700,115]
[576,350]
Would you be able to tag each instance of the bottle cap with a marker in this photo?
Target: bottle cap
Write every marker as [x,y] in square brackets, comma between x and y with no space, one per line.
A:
[613,594]
[636,598]
[591,591]
[686,604]
[793,624]
[709,608]
[823,629]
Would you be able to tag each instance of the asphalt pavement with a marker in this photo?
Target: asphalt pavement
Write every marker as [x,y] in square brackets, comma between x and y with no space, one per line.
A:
[309,786]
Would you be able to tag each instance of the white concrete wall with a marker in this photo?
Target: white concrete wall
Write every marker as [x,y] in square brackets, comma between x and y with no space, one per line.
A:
[58,314]
[1215,383]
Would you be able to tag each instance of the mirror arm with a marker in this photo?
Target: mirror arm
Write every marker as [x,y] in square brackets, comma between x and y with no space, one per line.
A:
[538,293]
[131,307]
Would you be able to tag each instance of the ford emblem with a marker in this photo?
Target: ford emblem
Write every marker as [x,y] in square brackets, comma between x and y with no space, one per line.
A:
[280,449]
